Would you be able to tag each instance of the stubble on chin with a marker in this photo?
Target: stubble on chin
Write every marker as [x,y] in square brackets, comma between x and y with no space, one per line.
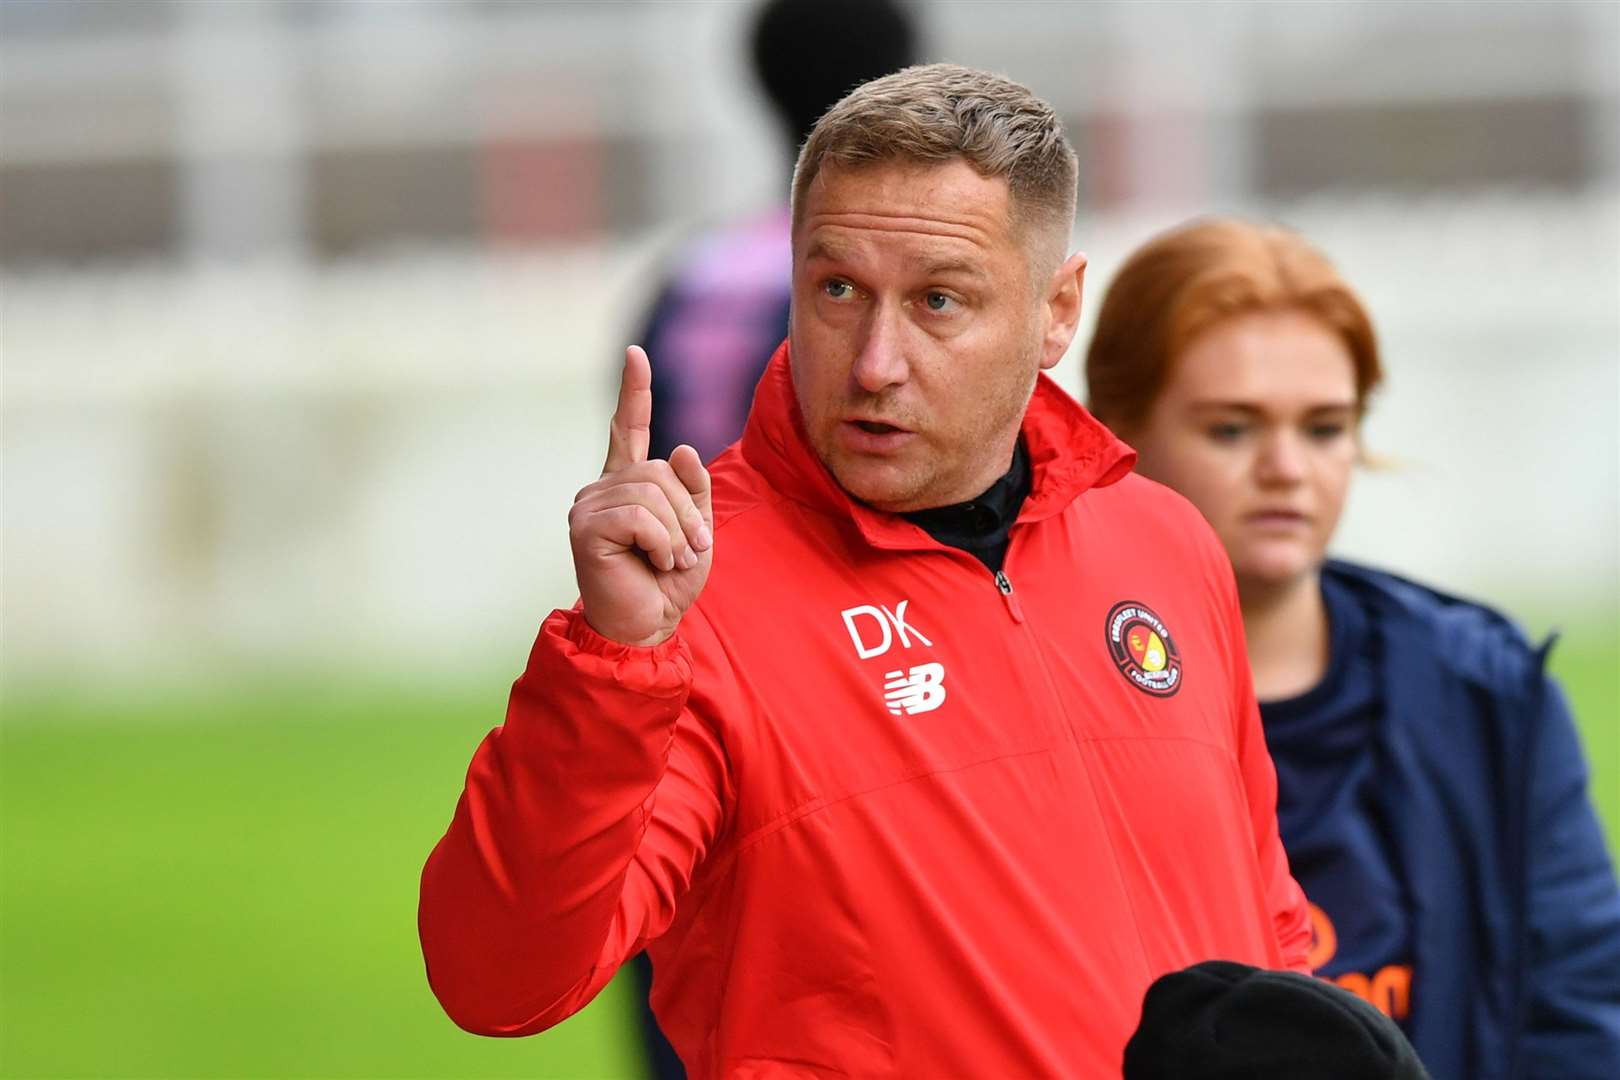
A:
[891,490]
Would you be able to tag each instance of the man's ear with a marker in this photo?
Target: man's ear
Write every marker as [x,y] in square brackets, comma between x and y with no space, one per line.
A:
[1061,301]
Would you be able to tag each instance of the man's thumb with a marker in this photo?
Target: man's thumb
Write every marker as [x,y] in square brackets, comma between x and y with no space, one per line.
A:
[689,468]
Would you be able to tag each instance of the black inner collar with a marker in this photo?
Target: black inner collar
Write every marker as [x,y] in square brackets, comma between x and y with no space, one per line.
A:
[981,525]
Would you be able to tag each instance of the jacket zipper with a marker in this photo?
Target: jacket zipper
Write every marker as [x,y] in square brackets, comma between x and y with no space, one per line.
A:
[1014,608]
[1061,704]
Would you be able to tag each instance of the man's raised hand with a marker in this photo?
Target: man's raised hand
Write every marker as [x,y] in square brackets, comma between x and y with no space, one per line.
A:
[642,535]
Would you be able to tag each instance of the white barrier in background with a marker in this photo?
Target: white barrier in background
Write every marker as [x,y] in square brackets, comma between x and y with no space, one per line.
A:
[370,463]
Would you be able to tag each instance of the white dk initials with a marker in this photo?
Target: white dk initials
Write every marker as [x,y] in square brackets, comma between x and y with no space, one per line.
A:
[922,689]
[884,618]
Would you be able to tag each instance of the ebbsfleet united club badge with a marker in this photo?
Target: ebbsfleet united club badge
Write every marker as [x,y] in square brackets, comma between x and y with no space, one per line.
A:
[1143,649]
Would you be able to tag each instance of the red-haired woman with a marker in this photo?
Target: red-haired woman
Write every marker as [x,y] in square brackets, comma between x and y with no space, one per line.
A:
[1432,794]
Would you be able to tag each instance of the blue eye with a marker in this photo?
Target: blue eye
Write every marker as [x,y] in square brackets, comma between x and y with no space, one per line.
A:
[838,289]
[938,301]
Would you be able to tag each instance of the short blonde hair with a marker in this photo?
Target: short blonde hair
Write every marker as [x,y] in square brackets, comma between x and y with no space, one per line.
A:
[937,113]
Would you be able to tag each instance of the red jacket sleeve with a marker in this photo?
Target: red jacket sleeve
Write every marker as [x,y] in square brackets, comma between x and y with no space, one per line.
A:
[1290,915]
[582,821]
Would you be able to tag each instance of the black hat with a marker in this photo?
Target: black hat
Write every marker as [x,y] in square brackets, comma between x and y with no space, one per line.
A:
[1223,1021]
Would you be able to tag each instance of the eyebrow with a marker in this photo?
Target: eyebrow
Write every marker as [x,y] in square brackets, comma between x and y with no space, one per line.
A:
[821,248]
[1255,410]
[927,265]
[947,266]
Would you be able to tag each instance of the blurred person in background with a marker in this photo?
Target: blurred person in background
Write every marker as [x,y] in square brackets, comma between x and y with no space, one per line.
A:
[724,306]
[1431,788]
[835,730]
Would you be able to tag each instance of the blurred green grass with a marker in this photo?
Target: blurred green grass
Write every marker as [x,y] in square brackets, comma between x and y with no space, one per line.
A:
[221,881]
[1586,661]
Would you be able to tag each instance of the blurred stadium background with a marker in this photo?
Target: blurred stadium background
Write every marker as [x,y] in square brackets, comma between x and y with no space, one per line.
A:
[311,314]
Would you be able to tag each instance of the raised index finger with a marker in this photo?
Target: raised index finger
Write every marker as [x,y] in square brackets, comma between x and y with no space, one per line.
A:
[630,430]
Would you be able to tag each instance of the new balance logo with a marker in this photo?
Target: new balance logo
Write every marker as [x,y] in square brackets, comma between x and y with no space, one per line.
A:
[922,689]
[880,621]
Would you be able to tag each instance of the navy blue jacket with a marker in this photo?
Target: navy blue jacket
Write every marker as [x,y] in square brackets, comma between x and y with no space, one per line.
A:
[1516,911]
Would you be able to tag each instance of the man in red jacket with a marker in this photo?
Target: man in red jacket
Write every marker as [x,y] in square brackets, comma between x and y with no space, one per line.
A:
[913,738]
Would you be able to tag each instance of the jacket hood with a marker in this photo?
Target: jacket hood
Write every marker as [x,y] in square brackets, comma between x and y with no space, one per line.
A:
[1070,452]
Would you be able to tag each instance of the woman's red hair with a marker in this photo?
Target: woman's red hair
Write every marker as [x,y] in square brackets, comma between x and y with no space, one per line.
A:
[1184,281]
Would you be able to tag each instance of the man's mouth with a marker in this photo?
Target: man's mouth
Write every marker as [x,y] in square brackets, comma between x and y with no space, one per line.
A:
[863,436]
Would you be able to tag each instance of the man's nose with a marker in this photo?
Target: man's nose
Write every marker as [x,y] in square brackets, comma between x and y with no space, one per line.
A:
[881,361]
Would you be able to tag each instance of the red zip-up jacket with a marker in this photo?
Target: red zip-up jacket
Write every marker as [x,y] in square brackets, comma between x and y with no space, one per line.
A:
[874,810]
